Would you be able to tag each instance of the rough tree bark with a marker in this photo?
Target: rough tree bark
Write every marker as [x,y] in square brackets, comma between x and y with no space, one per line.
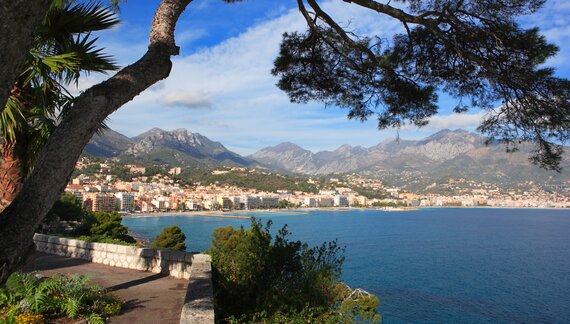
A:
[18,25]
[11,174]
[56,162]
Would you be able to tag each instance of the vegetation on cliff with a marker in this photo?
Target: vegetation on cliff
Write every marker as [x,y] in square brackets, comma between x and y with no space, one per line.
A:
[261,278]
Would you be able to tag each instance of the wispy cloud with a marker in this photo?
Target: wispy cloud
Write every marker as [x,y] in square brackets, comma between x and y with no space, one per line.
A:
[467,121]
[189,36]
[183,98]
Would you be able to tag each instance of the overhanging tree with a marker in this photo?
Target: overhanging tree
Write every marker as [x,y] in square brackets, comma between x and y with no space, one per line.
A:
[57,159]
[471,49]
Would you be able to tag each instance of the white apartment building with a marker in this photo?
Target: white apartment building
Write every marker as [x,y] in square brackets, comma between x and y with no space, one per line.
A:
[341,201]
[125,201]
[250,202]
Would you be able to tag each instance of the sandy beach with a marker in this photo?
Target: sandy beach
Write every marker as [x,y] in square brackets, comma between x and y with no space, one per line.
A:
[217,214]
[236,213]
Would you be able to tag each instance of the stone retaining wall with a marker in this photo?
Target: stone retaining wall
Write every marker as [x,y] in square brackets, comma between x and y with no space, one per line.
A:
[174,263]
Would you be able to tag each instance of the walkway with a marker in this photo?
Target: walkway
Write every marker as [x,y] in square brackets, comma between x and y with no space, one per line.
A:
[150,298]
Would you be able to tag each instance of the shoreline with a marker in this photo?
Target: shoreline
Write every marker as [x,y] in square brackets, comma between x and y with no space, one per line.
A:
[217,214]
[305,211]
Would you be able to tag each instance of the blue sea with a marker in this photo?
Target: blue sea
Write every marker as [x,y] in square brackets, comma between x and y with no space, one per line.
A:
[432,265]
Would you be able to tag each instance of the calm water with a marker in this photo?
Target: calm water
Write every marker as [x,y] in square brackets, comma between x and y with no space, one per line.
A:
[433,265]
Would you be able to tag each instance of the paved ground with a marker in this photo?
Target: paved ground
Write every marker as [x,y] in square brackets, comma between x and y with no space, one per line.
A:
[150,298]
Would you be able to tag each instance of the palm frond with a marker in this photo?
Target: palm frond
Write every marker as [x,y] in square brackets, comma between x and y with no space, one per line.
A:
[103,127]
[64,22]
[54,65]
[64,49]
[90,58]
[11,120]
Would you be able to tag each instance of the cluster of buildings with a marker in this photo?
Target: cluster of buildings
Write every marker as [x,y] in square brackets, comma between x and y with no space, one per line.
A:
[160,193]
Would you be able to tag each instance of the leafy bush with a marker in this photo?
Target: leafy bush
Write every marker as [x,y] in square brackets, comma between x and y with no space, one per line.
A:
[28,299]
[258,278]
[105,228]
[170,238]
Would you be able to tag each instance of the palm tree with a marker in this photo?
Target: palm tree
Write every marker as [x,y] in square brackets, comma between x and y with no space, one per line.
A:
[62,51]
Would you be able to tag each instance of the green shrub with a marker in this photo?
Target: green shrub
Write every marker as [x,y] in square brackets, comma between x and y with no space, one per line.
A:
[25,297]
[105,228]
[170,238]
[258,278]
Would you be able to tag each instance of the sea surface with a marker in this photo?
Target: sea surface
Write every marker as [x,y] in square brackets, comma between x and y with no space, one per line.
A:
[431,265]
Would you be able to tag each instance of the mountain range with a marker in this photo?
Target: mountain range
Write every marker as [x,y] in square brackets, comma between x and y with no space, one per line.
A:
[395,154]
[179,147]
[414,163]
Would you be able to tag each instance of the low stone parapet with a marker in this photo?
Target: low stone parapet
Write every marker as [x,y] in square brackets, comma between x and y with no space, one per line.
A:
[199,302]
[176,264]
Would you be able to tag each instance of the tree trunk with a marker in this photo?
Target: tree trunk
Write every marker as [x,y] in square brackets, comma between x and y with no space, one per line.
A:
[11,175]
[20,21]
[18,25]
[57,159]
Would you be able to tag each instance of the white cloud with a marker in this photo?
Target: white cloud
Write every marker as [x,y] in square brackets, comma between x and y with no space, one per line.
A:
[183,98]
[467,121]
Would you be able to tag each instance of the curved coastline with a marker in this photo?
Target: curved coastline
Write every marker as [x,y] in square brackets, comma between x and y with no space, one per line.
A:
[288,211]
[305,211]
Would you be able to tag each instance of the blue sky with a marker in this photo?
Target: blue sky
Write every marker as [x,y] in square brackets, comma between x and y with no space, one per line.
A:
[221,86]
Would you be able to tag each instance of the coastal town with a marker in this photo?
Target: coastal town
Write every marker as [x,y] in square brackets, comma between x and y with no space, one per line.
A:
[162,192]
[309,161]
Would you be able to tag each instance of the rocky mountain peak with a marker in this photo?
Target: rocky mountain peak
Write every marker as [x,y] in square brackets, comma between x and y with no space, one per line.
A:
[445,145]
[283,147]
[178,139]
[458,135]
[151,132]
[177,147]
[344,149]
